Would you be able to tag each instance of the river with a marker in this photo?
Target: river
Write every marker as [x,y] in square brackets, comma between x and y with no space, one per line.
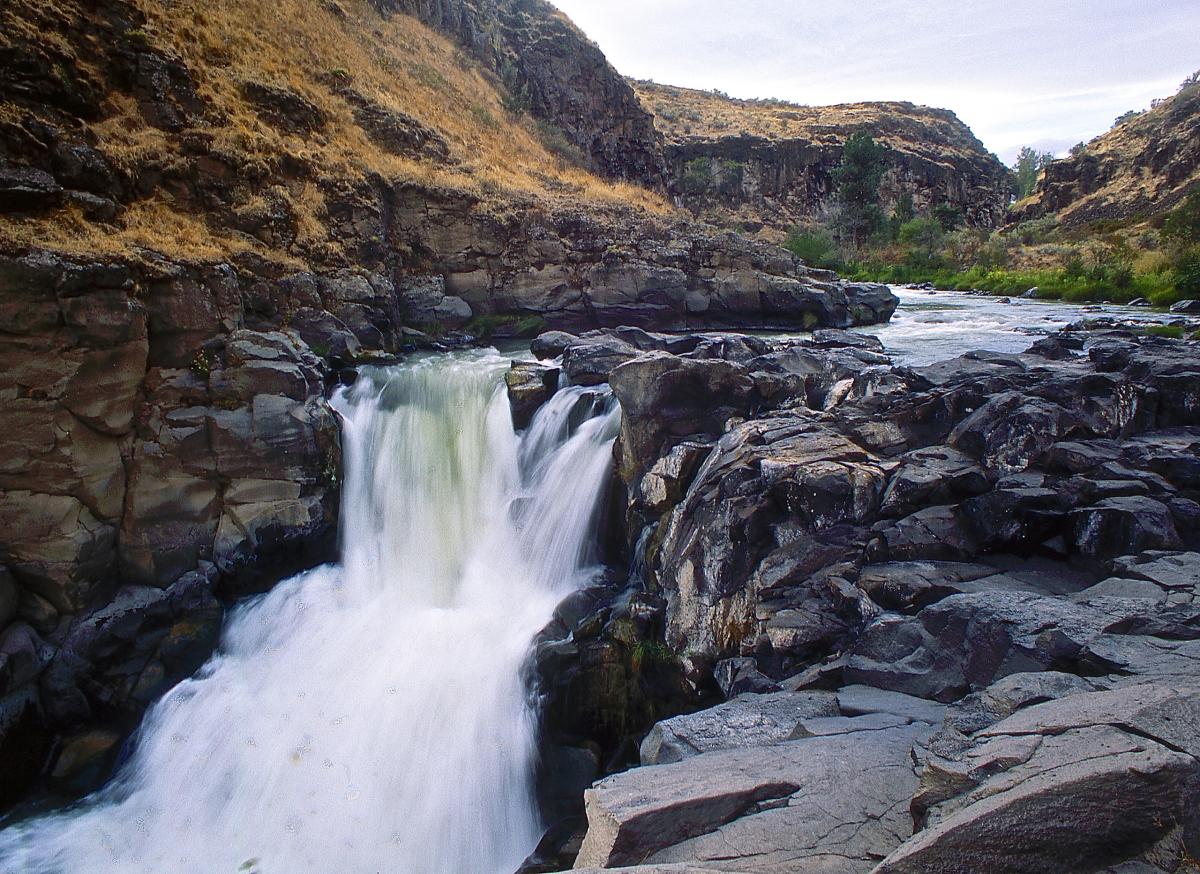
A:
[932,326]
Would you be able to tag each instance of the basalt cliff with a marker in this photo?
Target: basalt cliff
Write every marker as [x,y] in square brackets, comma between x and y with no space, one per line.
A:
[756,163]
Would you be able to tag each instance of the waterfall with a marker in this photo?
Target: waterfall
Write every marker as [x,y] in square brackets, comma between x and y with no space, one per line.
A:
[372,716]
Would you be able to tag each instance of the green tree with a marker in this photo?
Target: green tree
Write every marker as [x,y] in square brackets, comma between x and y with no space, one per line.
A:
[903,212]
[814,247]
[1028,167]
[697,176]
[1187,273]
[1182,225]
[924,237]
[857,181]
[949,217]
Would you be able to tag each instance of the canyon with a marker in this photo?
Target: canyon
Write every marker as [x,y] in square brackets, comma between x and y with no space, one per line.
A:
[822,607]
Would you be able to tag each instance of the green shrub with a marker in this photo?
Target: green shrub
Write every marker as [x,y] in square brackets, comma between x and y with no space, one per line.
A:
[697,177]
[949,217]
[924,238]
[733,173]
[815,248]
[559,145]
[1187,273]
[1182,225]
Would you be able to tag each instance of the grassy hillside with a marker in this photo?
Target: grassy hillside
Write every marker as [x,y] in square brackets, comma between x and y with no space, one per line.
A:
[329,65]
[1141,168]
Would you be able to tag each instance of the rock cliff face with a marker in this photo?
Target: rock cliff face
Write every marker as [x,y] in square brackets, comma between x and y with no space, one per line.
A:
[157,451]
[942,602]
[771,162]
[549,65]
[1139,169]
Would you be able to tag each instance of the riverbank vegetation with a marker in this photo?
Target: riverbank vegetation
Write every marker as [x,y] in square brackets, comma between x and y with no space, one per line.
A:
[1154,259]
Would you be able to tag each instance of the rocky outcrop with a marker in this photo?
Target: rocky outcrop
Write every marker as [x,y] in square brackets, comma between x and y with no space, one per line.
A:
[979,576]
[770,162]
[158,451]
[572,274]
[1143,167]
[550,67]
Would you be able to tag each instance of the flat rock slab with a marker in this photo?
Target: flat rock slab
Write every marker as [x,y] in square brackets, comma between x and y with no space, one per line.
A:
[860,700]
[835,803]
[1073,784]
[746,721]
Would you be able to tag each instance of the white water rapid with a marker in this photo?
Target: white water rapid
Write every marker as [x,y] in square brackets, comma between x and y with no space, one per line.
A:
[372,716]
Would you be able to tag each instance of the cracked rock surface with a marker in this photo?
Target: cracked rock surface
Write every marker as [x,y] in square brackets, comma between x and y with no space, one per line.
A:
[952,608]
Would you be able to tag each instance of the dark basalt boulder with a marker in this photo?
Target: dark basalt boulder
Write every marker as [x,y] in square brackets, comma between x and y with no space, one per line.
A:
[998,547]
[26,189]
[284,108]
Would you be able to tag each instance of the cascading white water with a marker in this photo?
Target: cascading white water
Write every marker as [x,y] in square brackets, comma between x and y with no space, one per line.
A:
[372,717]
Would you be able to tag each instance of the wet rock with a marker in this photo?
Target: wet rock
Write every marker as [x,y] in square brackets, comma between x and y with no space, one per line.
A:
[936,475]
[529,386]
[1121,526]
[737,676]
[551,344]
[933,533]
[84,761]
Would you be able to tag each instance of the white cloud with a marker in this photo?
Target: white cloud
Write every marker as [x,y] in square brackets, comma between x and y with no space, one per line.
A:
[1019,71]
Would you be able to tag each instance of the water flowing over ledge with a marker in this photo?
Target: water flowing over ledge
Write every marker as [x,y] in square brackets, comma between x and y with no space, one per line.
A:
[373,716]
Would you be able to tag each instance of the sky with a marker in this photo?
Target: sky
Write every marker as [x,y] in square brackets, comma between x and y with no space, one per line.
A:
[1046,74]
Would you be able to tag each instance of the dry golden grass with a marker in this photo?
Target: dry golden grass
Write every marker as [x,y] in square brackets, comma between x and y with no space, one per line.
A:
[313,48]
[150,224]
[686,114]
[1127,150]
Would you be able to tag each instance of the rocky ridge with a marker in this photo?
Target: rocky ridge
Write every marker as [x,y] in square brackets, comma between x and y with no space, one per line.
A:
[951,608]
[772,162]
[548,65]
[1143,167]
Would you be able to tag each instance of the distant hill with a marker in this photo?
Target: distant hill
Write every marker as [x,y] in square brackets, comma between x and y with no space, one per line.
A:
[772,161]
[1143,167]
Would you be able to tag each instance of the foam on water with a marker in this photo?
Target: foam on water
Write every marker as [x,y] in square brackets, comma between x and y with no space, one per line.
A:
[372,716]
[932,326]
